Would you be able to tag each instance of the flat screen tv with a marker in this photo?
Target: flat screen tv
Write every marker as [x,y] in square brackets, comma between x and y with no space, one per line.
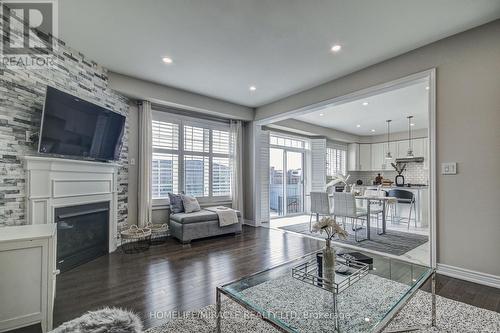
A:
[74,127]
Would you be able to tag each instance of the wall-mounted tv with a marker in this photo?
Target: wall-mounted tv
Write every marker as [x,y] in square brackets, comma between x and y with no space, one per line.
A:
[75,127]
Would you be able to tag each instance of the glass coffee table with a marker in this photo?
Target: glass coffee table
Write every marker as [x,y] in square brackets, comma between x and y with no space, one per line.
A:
[366,302]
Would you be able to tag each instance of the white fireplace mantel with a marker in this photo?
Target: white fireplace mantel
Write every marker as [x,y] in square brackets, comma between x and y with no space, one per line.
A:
[55,182]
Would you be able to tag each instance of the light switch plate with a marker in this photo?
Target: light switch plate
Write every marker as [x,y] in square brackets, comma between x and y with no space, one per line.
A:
[132,161]
[449,168]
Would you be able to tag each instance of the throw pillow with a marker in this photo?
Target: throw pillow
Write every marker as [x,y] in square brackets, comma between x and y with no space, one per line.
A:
[176,205]
[190,203]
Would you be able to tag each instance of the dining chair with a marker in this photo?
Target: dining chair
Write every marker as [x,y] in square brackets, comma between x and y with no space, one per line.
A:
[320,205]
[344,205]
[375,207]
[406,198]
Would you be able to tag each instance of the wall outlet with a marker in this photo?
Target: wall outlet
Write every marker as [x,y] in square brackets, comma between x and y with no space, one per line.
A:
[449,168]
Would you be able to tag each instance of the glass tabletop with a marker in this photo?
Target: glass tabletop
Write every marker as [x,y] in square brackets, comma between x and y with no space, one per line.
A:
[293,305]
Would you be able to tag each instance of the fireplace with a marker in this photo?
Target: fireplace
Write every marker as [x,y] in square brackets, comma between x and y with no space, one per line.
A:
[82,233]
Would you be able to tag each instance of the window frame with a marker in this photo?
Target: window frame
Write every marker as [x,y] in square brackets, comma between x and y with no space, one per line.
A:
[182,121]
[327,162]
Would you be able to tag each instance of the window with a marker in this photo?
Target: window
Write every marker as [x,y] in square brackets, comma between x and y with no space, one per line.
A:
[335,161]
[286,142]
[165,175]
[190,156]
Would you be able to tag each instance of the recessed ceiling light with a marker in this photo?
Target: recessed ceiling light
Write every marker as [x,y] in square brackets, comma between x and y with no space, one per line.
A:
[412,124]
[252,88]
[321,114]
[373,130]
[427,88]
[358,125]
[167,60]
[336,48]
[365,103]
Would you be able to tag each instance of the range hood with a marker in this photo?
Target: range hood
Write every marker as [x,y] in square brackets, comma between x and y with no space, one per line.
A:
[410,159]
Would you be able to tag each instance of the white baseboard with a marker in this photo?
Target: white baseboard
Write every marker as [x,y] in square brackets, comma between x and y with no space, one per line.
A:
[469,275]
[249,222]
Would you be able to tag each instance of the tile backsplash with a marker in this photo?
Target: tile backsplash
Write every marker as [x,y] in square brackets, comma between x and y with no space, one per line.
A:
[414,174]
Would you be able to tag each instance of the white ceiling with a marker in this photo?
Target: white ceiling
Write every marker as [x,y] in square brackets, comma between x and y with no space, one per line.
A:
[221,47]
[412,100]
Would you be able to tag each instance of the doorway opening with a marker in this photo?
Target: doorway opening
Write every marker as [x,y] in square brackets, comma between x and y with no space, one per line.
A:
[380,139]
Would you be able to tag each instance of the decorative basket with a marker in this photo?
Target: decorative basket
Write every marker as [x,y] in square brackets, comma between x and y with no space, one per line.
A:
[159,233]
[135,240]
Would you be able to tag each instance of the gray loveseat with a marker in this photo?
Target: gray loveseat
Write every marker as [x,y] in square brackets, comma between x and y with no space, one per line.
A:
[188,226]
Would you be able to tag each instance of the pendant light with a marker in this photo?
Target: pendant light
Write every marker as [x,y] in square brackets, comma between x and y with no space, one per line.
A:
[388,155]
[410,146]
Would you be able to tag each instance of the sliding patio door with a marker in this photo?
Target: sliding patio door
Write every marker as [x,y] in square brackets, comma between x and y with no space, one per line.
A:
[286,189]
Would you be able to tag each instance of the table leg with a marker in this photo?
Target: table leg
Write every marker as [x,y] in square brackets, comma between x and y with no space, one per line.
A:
[368,221]
[317,217]
[433,296]
[336,327]
[384,220]
[218,310]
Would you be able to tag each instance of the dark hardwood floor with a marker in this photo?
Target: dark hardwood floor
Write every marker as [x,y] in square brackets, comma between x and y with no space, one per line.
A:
[173,277]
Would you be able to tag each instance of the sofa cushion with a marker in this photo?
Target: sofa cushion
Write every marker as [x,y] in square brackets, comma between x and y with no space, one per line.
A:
[201,216]
[176,204]
[190,204]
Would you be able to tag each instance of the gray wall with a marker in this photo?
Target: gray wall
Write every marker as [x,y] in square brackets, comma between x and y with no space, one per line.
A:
[22,96]
[468,122]
[178,98]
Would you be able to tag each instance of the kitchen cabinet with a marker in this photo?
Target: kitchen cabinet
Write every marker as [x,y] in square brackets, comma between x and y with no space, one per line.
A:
[418,147]
[402,149]
[392,148]
[353,157]
[426,153]
[360,158]
[365,157]
[378,159]
[371,157]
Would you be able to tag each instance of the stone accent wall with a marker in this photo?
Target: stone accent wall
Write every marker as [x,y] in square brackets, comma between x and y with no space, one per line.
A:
[22,93]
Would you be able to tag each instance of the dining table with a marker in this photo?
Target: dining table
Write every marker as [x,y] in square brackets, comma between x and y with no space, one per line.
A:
[383,200]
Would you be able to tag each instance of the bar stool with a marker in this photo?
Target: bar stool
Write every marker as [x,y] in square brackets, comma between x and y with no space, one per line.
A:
[406,198]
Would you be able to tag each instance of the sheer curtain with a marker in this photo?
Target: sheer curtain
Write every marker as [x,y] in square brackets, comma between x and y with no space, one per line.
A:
[145,162]
[236,160]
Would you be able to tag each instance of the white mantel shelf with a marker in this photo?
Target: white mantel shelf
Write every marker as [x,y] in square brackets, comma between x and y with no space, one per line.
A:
[57,182]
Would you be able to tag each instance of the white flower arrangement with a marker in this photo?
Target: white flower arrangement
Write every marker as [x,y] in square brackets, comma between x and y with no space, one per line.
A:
[338,178]
[330,227]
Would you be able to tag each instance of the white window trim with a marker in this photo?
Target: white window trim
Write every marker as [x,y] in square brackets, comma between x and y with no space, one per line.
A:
[340,148]
[181,121]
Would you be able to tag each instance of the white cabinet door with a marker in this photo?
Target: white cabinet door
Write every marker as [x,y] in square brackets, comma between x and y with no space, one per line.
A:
[402,149]
[418,147]
[353,157]
[378,159]
[393,149]
[426,153]
[365,157]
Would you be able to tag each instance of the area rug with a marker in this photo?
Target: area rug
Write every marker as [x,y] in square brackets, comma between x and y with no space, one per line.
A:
[392,242]
[299,305]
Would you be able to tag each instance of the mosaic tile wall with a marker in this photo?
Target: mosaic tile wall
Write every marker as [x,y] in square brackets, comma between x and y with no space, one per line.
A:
[414,174]
[22,93]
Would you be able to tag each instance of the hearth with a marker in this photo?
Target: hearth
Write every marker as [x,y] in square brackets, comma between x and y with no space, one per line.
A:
[82,234]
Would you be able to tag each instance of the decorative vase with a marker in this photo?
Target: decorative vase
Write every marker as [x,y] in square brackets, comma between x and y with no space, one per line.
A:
[329,263]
